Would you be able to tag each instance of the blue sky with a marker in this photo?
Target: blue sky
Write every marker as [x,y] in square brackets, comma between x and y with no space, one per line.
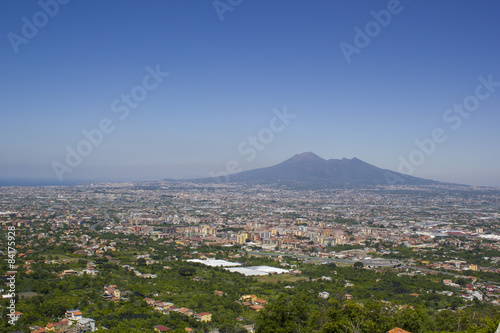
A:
[225,78]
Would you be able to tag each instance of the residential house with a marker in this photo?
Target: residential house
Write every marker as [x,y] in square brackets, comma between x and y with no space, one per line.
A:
[249,328]
[15,315]
[397,330]
[260,301]
[36,329]
[73,314]
[248,298]
[204,316]
[59,326]
[186,311]
[90,271]
[86,325]
[324,294]
[256,308]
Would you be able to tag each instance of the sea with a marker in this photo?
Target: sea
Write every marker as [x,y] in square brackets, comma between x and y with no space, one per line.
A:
[40,182]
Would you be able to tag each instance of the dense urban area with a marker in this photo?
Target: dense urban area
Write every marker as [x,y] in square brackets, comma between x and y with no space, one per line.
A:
[190,257]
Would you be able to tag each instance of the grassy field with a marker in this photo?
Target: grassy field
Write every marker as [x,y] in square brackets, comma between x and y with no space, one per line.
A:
[340,264]
[27,294]
[60,257]
[275,278]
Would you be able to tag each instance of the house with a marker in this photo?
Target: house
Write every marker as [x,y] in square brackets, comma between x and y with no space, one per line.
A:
[249,328]
[256,308]
[148,276]
[111,293]
[59,326]
[39,330]
[347,296]
[168,306]
[15,315]
[36,329]
[158,304]
[397,330]
[259,301]
[73,314]
[324,294]
[107,297]
[186,311]
[90,271]
[204,316]
[219,293]
[86,325]
[76,315]
[249,298]
[161,328]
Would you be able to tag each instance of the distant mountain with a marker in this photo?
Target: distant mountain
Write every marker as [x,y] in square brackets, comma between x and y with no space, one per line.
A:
[308,170]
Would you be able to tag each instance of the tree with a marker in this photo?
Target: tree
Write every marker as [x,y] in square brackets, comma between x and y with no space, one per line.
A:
[141,262]
[287,314]
[352,317]
[101,261]
[358,265]
[187,271]
[462,281]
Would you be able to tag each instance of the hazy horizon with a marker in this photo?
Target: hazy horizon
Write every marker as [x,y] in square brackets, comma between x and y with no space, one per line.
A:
[16,181]
[157,89]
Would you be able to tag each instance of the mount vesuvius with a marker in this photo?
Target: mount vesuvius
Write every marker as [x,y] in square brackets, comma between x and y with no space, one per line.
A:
[308,170]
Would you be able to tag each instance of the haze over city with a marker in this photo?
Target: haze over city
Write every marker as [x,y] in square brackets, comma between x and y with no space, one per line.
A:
[176,89]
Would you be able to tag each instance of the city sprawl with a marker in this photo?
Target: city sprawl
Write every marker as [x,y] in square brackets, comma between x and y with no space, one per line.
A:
[219,257]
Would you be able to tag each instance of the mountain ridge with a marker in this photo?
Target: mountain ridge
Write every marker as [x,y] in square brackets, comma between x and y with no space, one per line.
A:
[308,170]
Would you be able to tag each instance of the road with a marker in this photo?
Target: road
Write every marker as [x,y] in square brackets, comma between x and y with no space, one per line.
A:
[106,218]
[446,273]
[366,262]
